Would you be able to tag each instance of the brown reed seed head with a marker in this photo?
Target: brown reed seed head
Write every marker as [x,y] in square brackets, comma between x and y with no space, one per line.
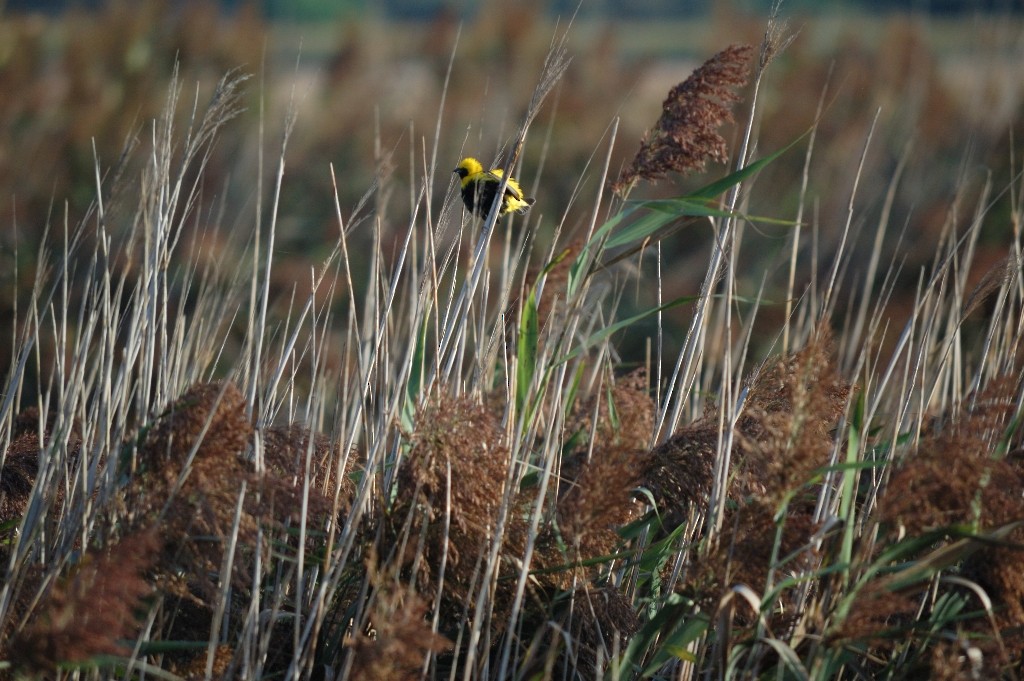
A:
[782,436]
[196,668]
[598,500]
[784,433]
[196,507]
[284,455]
[599,618]
[449,489]
[624,414]
[878,614]
[953,469]
[21,463]
[611,430]
[91,611]
[208,416]
[744,554]
[398,637]
[680,471]
[686,135]
[21,466]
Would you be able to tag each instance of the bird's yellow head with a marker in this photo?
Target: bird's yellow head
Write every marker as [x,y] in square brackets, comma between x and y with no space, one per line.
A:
[468,168]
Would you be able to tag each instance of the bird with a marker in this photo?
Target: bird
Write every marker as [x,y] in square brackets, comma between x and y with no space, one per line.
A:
[480,187]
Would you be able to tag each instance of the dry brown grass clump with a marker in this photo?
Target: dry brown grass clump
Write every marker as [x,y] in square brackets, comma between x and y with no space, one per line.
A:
[784,433]
[686,135]
[958,466]
[191,476]
[284,455]
[598,500]
[597,495]
[285,449]
[91,612]
[21,462]
[222,658]
[880,616]
[782,436]
[398,638]
[960,477]
[623,412]
[449,491]
[600,621]
[682,471]
[21,466]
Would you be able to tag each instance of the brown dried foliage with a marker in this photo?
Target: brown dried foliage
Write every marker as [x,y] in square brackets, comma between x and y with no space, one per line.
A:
[599,500]
[957,478]
[686,135]
[599,618]
[782,436]
[210,418]
[939,485]
[455,468]
[21,463]
[784,433]
[971,657]
[624,414]
[597,495]
[90,612]
[879,615]
[744,552]
[681,470]
[196,669]
[398,639]
[21,466]
[285,449]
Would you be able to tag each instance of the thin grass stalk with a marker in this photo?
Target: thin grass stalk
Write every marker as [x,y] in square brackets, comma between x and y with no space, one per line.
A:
[725,242]
[225,577]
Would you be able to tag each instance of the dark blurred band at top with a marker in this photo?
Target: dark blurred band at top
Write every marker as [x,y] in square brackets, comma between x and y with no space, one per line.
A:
[626,9]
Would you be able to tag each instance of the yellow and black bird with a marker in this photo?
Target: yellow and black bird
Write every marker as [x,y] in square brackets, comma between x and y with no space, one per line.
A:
[480,188]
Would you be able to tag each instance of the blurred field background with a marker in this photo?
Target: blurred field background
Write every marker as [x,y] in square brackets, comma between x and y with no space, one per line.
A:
[366,91]
[308,455]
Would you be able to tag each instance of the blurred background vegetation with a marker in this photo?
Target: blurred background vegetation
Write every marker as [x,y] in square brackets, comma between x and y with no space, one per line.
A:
[82,83]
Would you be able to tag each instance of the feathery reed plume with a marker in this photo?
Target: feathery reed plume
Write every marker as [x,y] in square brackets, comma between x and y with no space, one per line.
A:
[191,475]
[959,476]
[21,466]
[785,431]
[598,500]
[686,135]
[999,275]
[208,417]
[744,554]
[879,615]
[782,436]
[190,478]
[955,660]
[600,622]
[284,454]
[940,485]
[91,611]
[21,463]
[196,669]
[681,470]
[398,638]
[624,414]
[601,476]
[449,489]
